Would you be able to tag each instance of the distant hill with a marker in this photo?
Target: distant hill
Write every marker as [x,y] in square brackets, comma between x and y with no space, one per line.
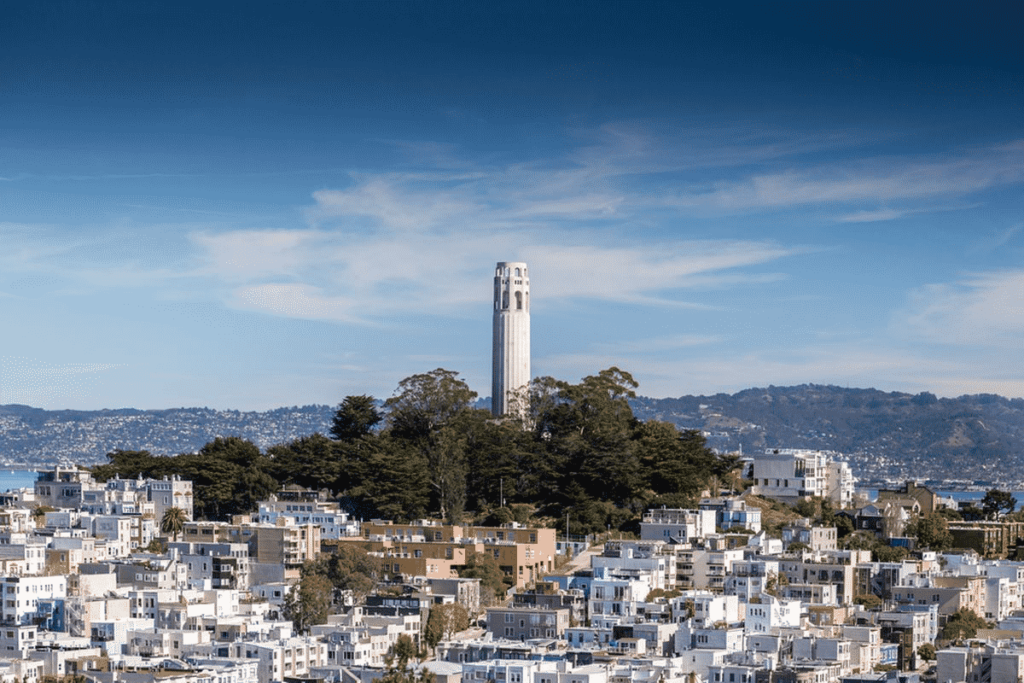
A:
[32,436]
[886,436]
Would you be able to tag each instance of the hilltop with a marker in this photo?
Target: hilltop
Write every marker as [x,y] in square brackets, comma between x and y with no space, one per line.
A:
[888,436]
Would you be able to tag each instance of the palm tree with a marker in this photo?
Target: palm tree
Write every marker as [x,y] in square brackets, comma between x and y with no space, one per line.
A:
[173,521]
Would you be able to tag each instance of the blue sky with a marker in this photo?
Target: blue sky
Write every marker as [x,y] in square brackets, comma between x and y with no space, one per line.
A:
[253,205]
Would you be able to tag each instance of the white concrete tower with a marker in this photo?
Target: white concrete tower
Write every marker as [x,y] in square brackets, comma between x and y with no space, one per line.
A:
[510,358]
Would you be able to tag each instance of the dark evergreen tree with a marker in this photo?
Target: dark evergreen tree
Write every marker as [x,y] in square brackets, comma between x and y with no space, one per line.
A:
[997,503]
[311,462]
[357,416]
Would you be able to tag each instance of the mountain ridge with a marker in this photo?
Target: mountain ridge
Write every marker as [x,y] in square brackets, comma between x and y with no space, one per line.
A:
[886,436]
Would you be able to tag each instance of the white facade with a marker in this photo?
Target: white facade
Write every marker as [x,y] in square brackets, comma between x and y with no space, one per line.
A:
[30,599]
[510,360]
[507,670]
[334,522]
[704,609]
[748,578]
[676,525]
[289,657]
[625,559]
[789,474]
[769,613]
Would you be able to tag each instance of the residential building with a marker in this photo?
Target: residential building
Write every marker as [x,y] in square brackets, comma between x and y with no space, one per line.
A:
[308,507]
[527,622]
[732,513]
[791,474]
[813,536]
[674,525]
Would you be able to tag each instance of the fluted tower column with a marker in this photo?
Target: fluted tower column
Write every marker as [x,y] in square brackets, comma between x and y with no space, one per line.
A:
[510,370]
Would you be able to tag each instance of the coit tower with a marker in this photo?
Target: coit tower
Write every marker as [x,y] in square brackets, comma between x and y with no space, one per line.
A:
[510,362]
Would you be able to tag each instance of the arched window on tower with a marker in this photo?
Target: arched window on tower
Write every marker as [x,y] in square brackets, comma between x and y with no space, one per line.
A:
[504,299]
[519,300]
[527,301]
[517,272]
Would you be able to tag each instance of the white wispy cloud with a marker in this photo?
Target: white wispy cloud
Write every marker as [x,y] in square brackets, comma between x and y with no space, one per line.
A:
[876,180]
[399,241]
[618,205]
[983,309]
[873,215]
[336,275]
[296,301]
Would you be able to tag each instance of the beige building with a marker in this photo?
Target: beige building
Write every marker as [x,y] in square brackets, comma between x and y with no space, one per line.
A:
[282,544]
[435,550]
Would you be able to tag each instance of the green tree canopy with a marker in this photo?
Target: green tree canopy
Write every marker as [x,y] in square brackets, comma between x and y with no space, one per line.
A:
[886,553]
[963,624]
[229,475]
[931,531]
[676,465]
[997,503]
[427,413]
[311,462]
[133,464]
[396,664]
[584,434]
[444,622]
[492,579]
[173,521]
[356,418]
[349,568]
[307,602]
[868,600]
[425,402]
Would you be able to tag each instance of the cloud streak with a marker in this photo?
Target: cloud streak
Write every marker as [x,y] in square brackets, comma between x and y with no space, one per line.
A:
[400,242]
[982,310]
[878,180]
